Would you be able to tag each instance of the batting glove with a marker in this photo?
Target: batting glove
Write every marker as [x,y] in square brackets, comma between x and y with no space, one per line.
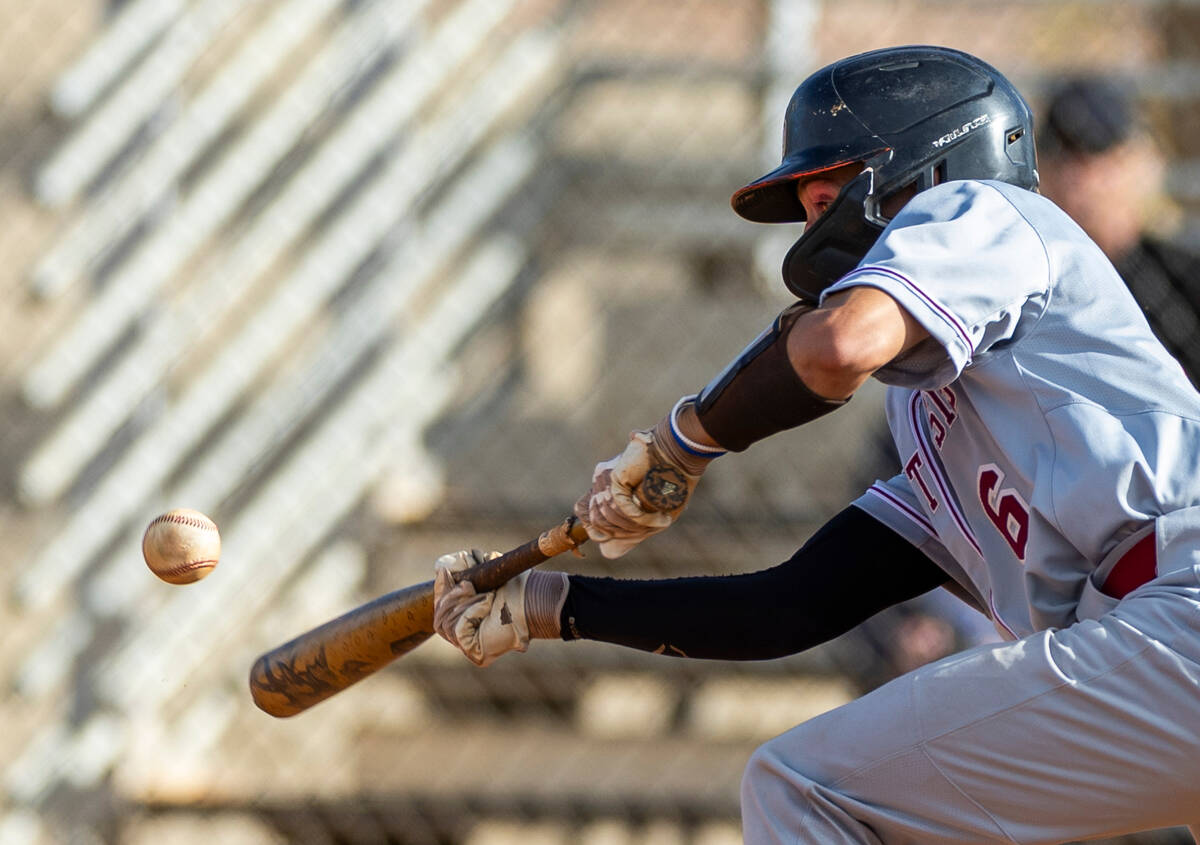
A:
[616,517]
[488,625]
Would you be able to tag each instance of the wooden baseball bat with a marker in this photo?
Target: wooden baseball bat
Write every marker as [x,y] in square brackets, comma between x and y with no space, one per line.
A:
[305,671]
[293,677]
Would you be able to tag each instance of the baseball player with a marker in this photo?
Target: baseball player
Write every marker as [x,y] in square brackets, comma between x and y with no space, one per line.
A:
[1050,476]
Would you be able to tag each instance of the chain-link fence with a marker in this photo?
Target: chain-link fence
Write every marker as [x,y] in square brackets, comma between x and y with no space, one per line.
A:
[370,281]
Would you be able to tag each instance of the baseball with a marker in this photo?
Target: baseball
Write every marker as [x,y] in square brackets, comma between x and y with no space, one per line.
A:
[181,546]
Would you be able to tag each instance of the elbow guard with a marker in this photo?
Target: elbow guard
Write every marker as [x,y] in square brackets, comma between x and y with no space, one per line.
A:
[759,393]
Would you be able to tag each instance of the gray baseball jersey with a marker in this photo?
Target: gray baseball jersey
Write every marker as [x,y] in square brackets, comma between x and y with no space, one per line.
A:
[1042,424]
[1041,429]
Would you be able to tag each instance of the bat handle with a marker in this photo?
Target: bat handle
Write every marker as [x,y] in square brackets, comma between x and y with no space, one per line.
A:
[493,574]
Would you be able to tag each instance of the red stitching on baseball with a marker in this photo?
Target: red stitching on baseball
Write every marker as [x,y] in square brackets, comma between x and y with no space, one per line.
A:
[187,567]
[180,519]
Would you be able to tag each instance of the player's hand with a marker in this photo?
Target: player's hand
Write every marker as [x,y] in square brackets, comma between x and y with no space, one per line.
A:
[482,626]
[615,515]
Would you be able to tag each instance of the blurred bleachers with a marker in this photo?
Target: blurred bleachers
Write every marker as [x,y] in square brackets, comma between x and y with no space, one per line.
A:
[371,281]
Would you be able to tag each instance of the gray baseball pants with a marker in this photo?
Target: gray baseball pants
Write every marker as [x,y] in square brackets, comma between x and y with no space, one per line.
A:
[1084,732]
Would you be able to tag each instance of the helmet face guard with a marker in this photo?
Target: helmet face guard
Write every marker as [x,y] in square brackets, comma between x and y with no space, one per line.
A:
[913,116]
[832,245]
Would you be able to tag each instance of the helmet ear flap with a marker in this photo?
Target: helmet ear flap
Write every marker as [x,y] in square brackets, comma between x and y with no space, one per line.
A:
[883,204]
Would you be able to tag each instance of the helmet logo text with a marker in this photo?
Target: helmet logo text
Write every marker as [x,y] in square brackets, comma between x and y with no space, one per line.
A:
[955,134]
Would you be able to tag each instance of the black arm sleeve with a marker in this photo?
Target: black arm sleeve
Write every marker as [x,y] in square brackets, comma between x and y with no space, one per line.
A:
[852,568]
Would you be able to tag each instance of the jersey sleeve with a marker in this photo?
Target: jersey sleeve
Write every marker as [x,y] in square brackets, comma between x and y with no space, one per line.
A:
[963,261]
[894,504]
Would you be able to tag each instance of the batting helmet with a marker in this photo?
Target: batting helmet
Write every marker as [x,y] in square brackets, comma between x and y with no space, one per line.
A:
[912,116]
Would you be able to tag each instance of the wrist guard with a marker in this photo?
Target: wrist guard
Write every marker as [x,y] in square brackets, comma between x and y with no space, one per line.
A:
[545,594]
[759,393]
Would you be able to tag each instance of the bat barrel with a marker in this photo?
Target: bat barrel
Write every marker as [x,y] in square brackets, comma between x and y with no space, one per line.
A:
[305,671]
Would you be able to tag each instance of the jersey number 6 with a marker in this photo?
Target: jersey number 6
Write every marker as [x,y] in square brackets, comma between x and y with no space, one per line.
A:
[1005,508]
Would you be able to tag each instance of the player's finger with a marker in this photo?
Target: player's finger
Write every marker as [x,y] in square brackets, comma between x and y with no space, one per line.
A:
[450,606]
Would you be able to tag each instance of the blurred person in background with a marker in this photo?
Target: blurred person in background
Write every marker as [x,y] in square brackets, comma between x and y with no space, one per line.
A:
[1101,165]
[1049,476]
